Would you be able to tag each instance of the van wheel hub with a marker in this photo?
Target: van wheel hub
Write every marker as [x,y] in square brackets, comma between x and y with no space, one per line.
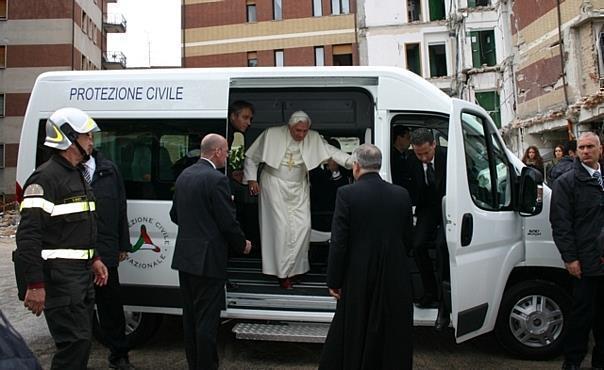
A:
[536,321]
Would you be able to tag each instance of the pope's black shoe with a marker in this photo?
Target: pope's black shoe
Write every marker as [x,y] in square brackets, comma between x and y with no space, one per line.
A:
[427,301]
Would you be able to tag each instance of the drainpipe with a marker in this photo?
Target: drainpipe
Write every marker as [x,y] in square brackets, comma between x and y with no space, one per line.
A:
[72,33]
[561,46]
[182,26]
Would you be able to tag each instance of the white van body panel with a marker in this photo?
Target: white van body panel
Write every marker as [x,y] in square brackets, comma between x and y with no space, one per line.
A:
[478,272]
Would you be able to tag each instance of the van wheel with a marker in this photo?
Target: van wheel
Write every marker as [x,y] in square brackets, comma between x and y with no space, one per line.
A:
[531,320]
[140,327]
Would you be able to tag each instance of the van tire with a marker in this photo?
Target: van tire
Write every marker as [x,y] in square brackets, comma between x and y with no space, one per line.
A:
[530,325]
[140,327]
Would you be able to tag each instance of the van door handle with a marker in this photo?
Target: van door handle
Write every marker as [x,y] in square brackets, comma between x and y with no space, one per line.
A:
[467,229]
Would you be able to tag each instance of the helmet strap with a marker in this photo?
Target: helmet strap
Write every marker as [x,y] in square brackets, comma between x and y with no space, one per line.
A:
[84,154]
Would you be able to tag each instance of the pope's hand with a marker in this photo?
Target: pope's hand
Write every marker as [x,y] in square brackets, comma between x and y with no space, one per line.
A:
[254,187]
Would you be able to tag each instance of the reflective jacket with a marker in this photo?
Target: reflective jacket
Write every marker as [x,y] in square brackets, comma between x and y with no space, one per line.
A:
[57,215]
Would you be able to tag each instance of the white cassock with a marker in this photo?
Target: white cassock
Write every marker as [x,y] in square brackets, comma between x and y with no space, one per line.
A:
[284,205]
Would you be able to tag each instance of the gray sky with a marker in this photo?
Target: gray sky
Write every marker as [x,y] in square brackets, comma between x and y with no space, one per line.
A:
[152,35]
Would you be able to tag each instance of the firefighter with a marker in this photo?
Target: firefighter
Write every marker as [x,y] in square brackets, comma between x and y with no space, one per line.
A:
[56,238]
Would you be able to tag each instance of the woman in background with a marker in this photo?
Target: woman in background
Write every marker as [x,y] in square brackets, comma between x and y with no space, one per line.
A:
[532,158]
[558,155]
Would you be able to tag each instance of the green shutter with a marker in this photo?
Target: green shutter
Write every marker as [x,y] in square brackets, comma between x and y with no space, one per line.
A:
[471,3]
[489,100]
[437,10]
[475,41]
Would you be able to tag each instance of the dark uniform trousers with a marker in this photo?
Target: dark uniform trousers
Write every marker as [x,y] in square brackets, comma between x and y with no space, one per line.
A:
[429,229]
[68,311]
[203,298]
[111,316]
[586,314]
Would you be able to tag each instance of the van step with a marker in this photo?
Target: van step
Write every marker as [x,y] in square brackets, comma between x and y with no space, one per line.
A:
[282,332]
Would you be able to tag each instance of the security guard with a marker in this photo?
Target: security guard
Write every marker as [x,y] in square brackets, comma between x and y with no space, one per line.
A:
[56,236]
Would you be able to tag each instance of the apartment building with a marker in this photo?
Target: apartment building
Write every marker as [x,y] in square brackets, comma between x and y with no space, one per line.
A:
[461,46]
[237,33]
[558,71]
[38,36]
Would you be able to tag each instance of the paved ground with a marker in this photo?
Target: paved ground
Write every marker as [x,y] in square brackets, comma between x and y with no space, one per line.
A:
[165,350]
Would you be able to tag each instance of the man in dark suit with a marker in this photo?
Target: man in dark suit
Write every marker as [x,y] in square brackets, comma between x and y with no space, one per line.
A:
[399,155]
[368,272]
[204,212]
[429,173]
[112,244]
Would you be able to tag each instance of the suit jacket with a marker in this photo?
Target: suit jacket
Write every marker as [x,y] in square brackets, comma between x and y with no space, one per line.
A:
[112,222]
[367,260]
[204,212]
[424,198]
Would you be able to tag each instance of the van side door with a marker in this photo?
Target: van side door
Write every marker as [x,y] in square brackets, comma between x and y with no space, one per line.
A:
[483,231]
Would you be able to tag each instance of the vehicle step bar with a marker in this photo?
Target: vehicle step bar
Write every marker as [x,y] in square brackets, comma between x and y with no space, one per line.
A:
[282,332]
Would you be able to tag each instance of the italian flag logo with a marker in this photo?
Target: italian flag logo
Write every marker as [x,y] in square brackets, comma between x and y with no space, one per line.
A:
[144,242]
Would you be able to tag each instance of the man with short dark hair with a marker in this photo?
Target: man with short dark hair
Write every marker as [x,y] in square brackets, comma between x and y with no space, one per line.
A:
[367,272]
[428,170]
[577,219]
[203,210]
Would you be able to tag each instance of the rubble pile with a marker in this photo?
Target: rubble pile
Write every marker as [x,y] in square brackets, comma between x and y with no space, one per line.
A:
[8,223]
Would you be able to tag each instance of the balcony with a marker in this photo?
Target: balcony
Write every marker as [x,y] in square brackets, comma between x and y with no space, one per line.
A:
[114,60]
[114,23]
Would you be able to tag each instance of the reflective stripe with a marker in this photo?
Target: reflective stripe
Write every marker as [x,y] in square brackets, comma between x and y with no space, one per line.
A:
[57,210]
[75,254]
[64,209]
[37,202]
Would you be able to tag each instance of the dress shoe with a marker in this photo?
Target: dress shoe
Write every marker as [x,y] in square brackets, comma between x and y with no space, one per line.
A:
[286,283]
[427,301]
[570,366]
[443,319]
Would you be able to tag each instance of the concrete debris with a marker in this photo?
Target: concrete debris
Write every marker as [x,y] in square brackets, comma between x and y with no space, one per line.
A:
[9,220]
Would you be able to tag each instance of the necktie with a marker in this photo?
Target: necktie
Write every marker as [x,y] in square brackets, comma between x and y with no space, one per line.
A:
[430,175]
[598,176]
[85,173]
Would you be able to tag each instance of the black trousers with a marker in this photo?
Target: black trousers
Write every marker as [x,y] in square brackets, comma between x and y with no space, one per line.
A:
[68,311]
[429,230]
[203,298]
[587,314]
[111,316]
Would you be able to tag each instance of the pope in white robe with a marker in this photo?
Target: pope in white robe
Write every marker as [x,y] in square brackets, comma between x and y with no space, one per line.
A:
[288,152]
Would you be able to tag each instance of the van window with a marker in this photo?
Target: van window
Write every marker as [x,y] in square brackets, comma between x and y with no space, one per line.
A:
[150,153]
[487,166]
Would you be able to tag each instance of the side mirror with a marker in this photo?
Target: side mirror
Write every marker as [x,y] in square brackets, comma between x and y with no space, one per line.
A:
[530,197]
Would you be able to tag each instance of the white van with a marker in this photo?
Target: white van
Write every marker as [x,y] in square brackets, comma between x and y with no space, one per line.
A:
[506,274]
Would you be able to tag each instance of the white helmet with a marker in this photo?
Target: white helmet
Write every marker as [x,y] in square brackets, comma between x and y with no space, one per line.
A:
[64,125]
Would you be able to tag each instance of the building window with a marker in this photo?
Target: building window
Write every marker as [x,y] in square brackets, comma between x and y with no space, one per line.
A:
[2,155]
[277,10]
[84,22]
[342,55]
[84,63]
[413,58]
[1,105]
[483,48]
[438,60]
[251,12]
[3,13]
[414,10]
[252,59]
[340,7]
[317,8]
[279,58]
[437,10]
[2,56]
[475,3]
[489,100]
[319,56]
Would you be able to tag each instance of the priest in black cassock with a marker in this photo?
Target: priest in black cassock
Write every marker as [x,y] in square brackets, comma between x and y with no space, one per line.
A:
[367,272]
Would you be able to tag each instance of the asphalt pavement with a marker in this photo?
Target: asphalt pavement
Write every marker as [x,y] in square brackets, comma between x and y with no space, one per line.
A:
[166,350]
